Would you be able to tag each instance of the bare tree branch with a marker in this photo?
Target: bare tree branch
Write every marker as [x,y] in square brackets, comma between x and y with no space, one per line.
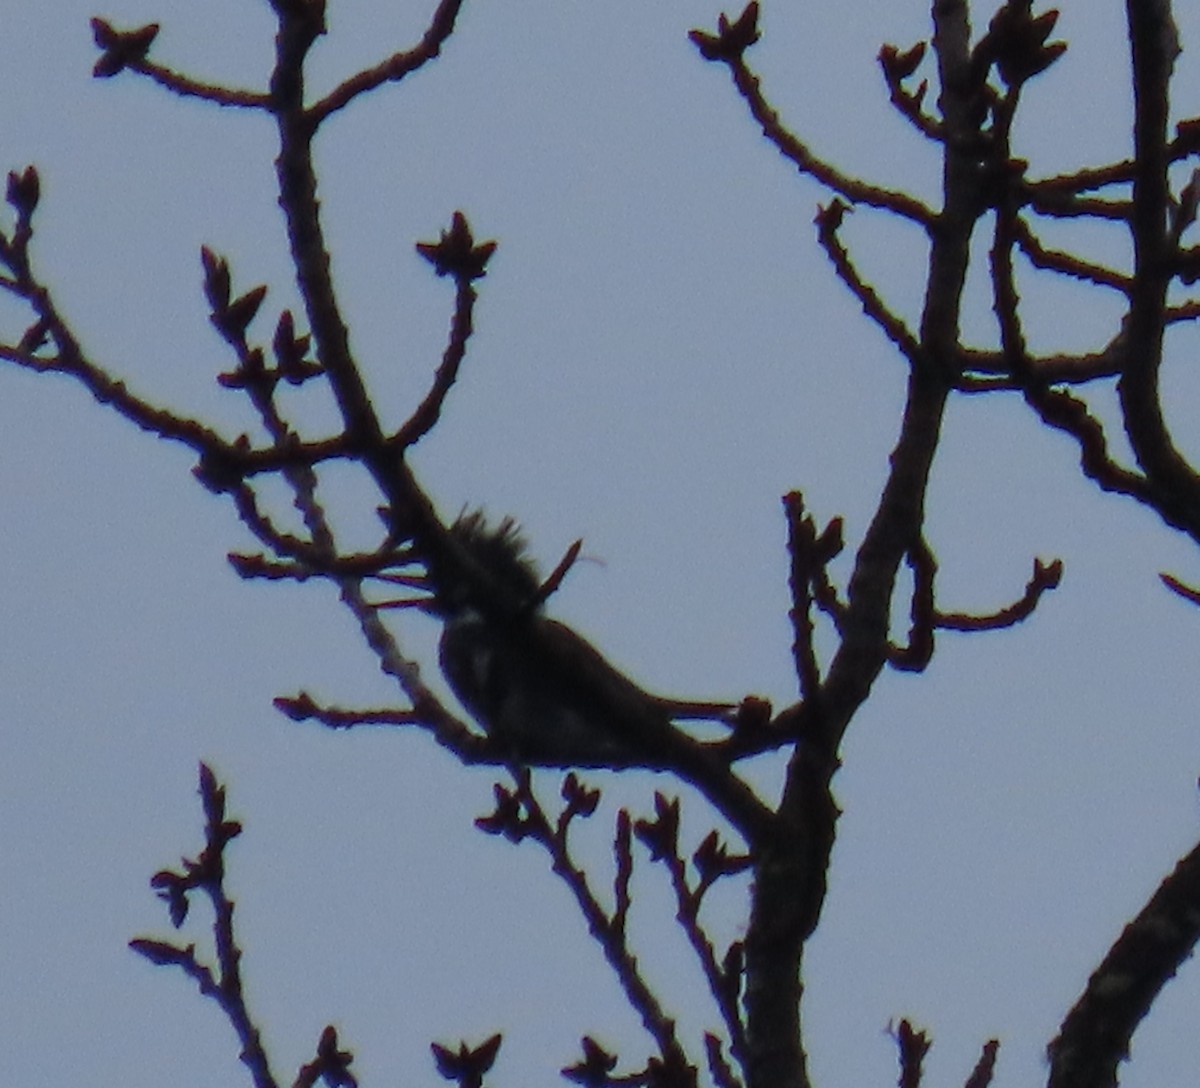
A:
[206,874]
[828,221]
[396,67]
[1094,1037]
[727,47]
[128,49]
[519,815]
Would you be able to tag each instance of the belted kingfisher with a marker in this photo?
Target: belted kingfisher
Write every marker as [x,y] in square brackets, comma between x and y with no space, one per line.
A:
[540,690]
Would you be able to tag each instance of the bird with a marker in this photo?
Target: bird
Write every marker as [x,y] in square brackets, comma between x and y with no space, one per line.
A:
[544,694]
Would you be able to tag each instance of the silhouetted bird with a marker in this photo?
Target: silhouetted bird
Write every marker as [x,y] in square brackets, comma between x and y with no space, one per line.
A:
[541,691]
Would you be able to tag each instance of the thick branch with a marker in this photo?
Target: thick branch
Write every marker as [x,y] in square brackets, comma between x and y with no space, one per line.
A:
[1094,1038]
[1155,45]
[791,868]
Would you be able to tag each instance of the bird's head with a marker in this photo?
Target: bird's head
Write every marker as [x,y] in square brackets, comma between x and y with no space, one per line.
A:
[498,573]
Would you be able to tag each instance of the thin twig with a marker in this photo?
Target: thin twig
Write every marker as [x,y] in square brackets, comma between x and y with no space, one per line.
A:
[520,815]
[828,221]
[1046,576]
[396,67]
[429,411]
[852,189]
[207,875]
[1067,264]
[187,87]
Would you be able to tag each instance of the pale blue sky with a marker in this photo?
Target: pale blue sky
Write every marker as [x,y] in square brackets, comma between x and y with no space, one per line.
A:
[661,353]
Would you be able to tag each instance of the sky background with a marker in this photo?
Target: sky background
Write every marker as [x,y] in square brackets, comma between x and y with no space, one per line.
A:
[661,353]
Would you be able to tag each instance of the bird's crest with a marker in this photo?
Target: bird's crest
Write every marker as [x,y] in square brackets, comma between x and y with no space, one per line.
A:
[501,550]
